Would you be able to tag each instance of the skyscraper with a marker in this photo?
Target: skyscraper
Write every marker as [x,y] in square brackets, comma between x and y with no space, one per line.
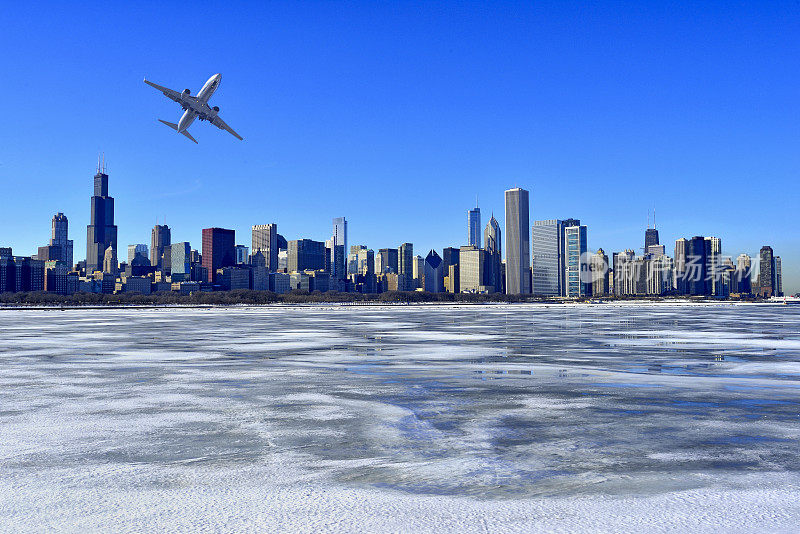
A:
[306,254]
[494,253]
[492,236]
[474,227]
[181,259]
[339,238]
[650,238]
[101,232]
[741,281]
[472,270]
[599,269]
[434,276]
[766,269]
[418,271]
[714,266]
[389,260]
[265,246]
[59,237]
[140,249]
[110,264]
[696,268]
[450,260]
[405,259]
[548,258]
[778,277]
[241,252]
[405,267]
[160,237]
[575,260]
[217,252]
[659,270]
[338,261]
[365,261]
[518,258]
[629,275]
[681,282]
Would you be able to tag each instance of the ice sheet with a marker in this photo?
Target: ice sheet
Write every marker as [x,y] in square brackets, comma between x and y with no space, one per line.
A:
[417,418]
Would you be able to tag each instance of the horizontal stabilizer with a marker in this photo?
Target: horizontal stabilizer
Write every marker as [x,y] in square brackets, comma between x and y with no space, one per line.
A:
[170,124]
[187,134]
[175,127]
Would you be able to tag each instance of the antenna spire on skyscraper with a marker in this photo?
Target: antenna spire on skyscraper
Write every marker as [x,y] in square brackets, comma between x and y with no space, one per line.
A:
[101,163]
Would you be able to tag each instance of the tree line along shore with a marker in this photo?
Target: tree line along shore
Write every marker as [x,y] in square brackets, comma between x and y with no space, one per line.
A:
[245,296]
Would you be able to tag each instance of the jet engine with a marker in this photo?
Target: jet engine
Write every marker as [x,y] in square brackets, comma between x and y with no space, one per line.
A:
[216,109]
[186,91]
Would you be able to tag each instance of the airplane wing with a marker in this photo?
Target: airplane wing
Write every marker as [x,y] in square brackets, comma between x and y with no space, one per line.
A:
[219,123]
[169,93]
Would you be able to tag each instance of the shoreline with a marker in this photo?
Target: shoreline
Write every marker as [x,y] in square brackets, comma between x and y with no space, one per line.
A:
[378,303]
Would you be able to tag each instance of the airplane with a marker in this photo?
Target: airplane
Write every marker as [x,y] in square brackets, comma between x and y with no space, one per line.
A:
[195,107]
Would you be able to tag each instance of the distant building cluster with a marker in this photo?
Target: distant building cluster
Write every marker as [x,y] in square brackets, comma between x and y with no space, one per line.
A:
[549,258]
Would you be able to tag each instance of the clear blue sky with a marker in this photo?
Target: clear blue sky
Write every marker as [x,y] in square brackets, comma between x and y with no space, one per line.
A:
[396,115]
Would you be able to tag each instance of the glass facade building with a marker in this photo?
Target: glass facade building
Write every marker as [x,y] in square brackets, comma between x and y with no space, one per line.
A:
[548,257]
[306,255]
[576,263]
[339,238]
[474,227]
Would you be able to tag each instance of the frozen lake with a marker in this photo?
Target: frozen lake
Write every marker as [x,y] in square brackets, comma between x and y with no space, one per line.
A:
[421,418]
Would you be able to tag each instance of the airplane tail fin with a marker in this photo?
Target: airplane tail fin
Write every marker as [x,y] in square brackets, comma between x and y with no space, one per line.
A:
[175,127]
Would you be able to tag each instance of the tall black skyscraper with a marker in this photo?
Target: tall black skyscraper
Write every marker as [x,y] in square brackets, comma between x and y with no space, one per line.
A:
[650,238]
[160,238]
[696,269]
[101,232]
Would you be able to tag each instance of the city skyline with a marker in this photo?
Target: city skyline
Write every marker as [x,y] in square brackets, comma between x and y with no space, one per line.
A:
[651,273]
[637,127]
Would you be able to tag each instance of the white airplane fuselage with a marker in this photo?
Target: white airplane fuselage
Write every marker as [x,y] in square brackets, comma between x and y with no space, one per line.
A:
[191,105]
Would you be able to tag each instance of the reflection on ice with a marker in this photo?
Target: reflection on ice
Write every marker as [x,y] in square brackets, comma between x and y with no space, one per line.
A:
[491,402]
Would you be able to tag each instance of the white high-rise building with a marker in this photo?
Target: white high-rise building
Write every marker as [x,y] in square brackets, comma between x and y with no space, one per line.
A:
[472,270]
[714,264]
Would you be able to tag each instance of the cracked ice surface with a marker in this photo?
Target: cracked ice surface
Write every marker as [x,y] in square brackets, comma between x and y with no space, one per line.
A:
[419,418]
